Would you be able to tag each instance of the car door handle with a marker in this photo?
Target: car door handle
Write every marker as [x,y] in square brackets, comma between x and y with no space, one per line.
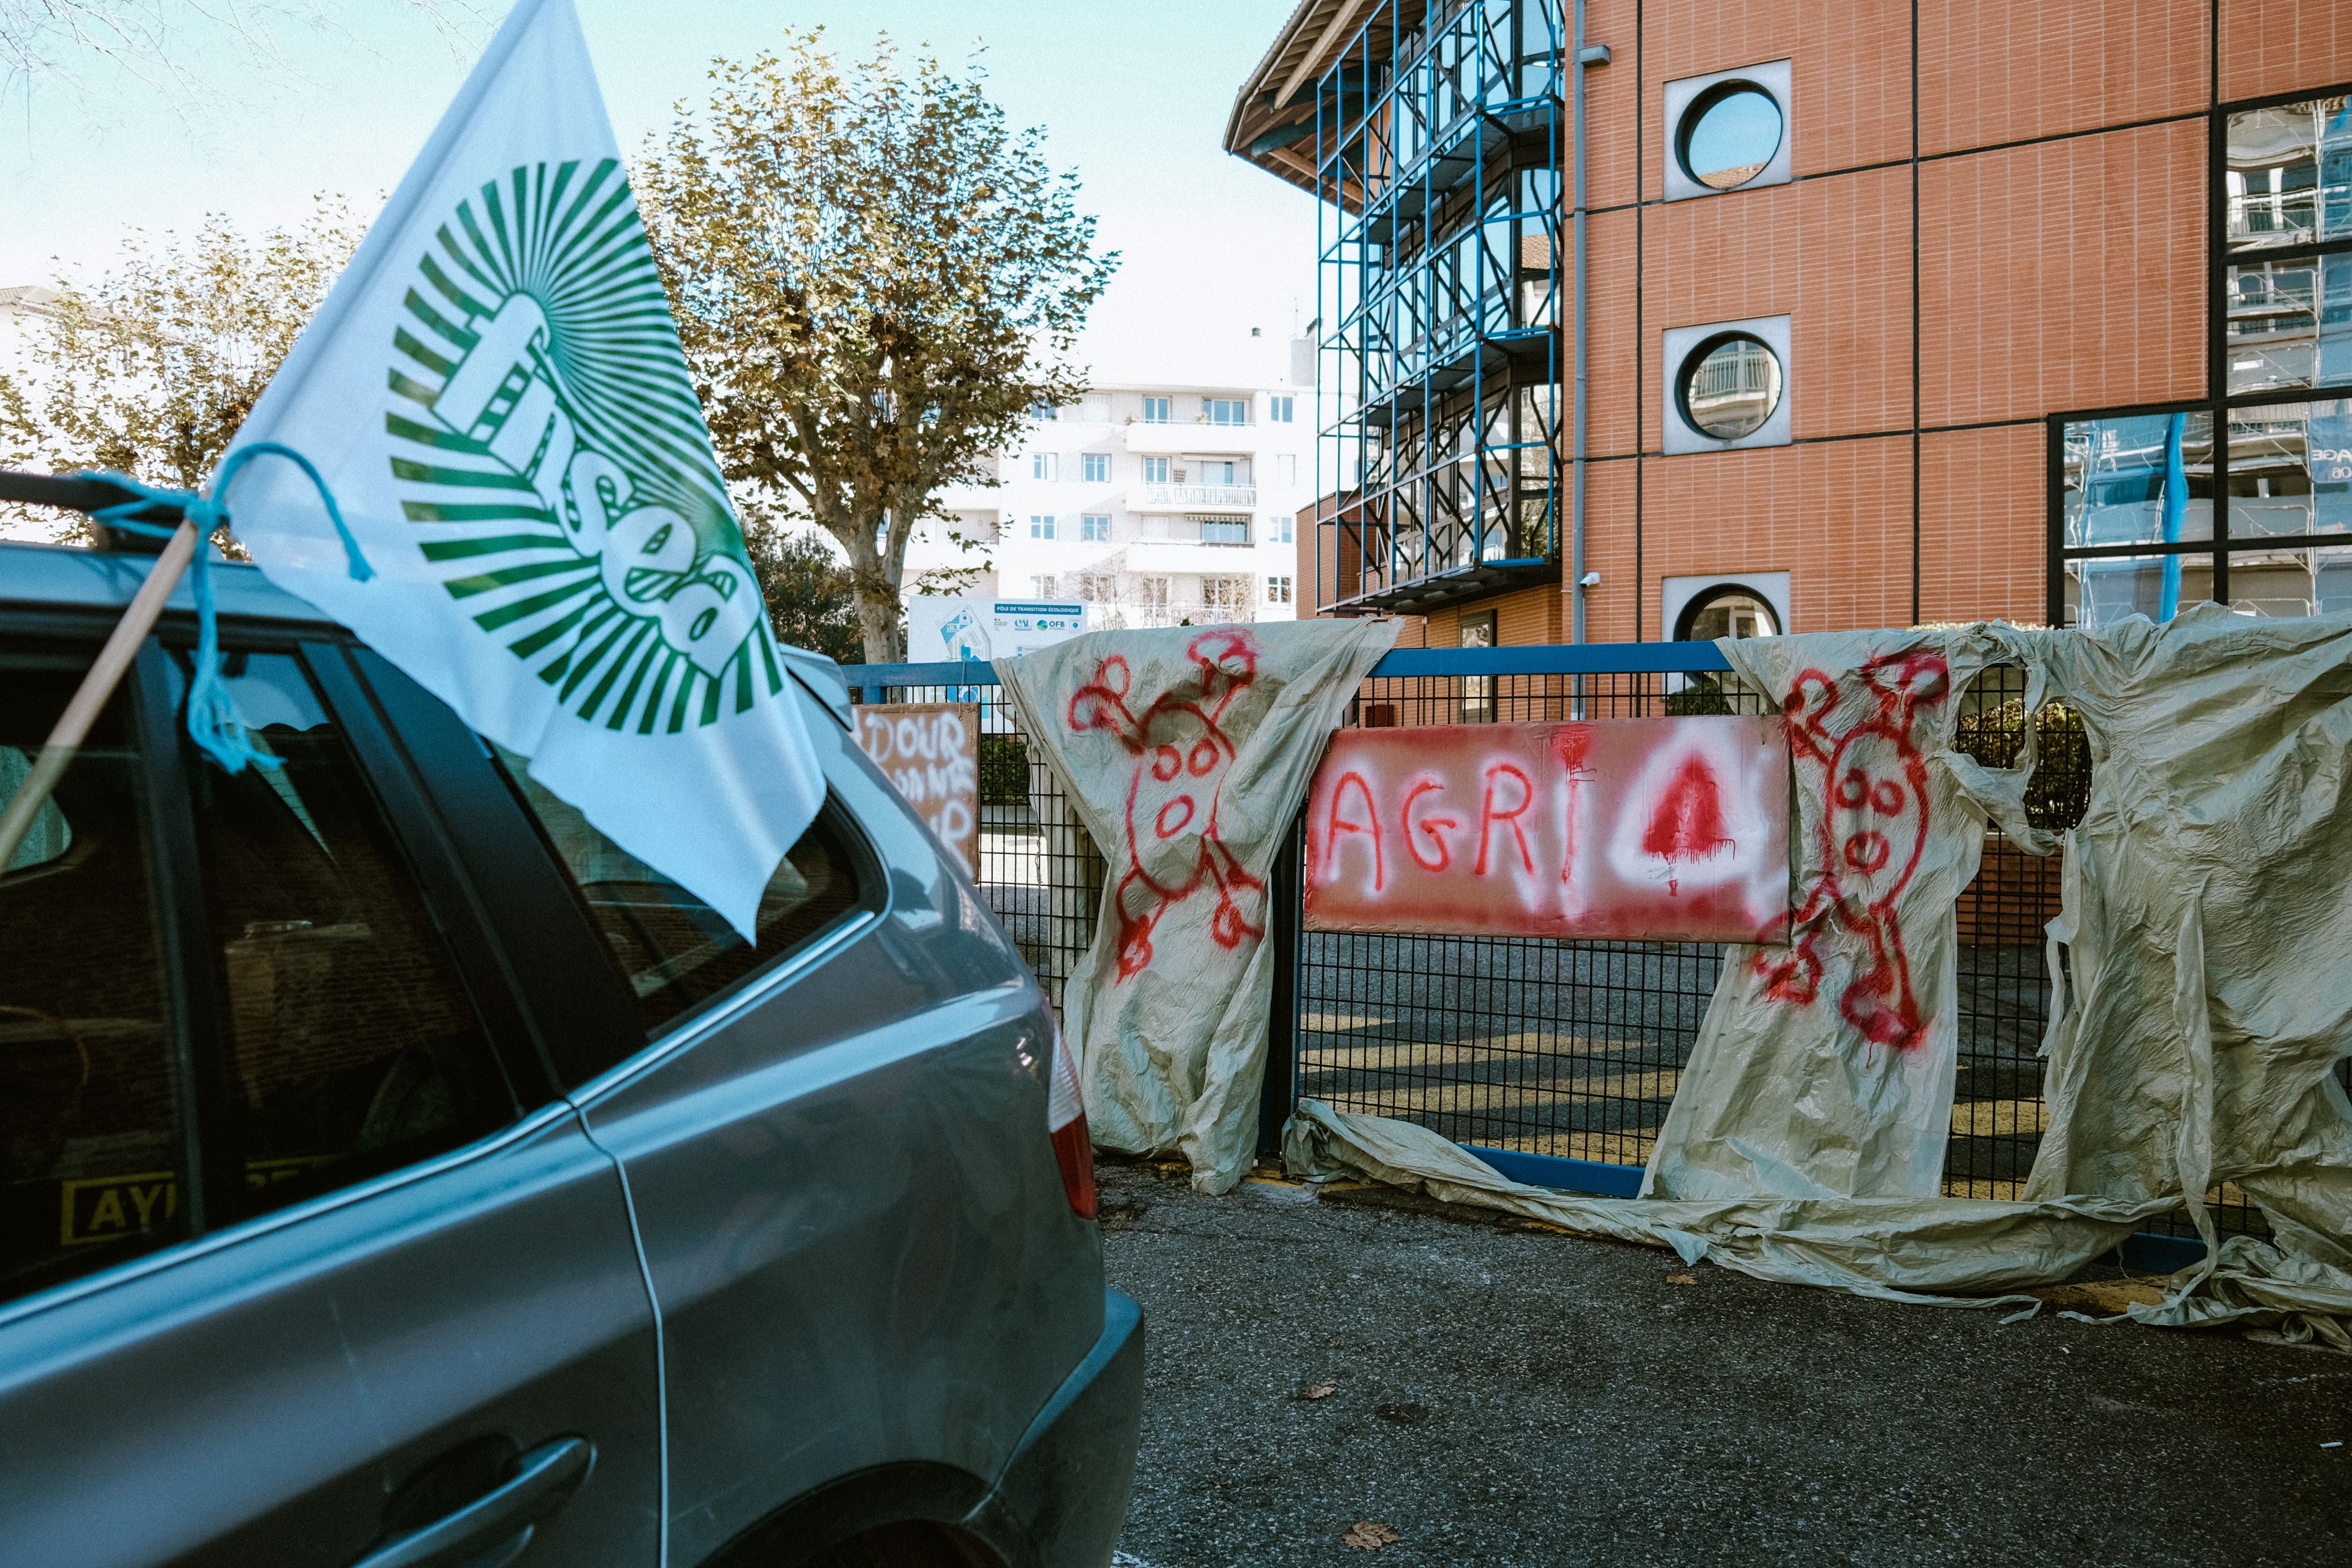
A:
[543,1481]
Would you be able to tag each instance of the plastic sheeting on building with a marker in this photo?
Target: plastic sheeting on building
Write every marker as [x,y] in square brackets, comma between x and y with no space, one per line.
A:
[1187,751]
[2203,995]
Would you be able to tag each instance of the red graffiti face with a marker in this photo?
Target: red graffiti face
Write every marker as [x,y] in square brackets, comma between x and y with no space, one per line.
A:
[1870,841]
[1182,757]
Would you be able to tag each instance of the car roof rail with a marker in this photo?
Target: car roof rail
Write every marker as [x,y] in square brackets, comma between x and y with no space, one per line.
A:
[91,493]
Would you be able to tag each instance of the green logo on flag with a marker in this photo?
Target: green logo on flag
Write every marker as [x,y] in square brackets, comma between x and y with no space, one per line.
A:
[555,422]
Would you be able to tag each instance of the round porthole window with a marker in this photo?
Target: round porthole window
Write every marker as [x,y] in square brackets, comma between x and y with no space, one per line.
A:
[1728,135]
[1731,610]
[1729,386]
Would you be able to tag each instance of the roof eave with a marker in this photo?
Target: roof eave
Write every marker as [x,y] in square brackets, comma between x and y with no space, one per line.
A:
[1253,117]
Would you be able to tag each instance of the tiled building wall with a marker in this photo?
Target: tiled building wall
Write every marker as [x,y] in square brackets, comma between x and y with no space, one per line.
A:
[2050,170]
[2282,46]
[1999,212]
[2091,295]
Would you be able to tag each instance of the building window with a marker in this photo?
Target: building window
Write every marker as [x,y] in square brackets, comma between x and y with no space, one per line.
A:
[1730,388]
[1093,468]
[1729,610]
[1046,588]
[1728,135]
[1040,527]
[1727,387]
[1277,590]
[1155,411]
[1282,528]
[1152,603]
[1225,598]
[1044,466]
[1477,630]
[1042,412]
[1224,530]
[2290,322]
[2287,228]
[1281,410]
[2144,481]
[1285,468]
[1094,528]
[1224,410]
[2245,500]
[2289,175]
[1728,131]
[1155,470]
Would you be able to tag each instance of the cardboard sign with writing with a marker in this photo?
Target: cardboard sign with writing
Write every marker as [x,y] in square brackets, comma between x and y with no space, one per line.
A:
[931,752]
[1665,829]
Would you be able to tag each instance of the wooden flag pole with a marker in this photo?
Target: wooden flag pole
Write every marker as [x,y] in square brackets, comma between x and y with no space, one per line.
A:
[125,515]
[73,726]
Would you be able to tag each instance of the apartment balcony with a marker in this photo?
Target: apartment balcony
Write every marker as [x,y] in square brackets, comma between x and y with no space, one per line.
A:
[1176,438]
[1192,497]
[1159,557]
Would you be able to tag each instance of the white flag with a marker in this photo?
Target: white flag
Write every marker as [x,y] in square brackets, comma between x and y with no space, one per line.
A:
[495,394]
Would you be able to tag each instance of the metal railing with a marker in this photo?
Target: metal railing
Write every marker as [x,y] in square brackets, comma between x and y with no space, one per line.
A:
[1039,868]
[1199,495]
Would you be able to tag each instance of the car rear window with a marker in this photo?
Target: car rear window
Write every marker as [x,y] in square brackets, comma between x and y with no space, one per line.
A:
[673,950]
[91,1127]
[353,1047]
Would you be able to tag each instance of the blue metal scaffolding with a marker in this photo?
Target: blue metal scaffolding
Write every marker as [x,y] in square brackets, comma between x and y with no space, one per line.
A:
[1438,136]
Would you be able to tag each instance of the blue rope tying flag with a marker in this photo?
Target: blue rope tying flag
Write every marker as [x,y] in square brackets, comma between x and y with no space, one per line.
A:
[214,723]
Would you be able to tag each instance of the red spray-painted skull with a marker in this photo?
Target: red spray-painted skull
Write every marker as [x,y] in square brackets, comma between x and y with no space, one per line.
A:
[1182,759]
[1873,833]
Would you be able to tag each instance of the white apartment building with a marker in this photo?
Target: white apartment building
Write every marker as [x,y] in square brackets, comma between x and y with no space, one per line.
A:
[1152,503]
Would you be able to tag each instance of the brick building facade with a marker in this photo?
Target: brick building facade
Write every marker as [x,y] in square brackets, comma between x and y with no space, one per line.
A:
[2012,263]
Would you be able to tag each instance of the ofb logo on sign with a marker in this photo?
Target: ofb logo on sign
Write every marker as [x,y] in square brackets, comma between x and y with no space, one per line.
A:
[496,395]
[534,410]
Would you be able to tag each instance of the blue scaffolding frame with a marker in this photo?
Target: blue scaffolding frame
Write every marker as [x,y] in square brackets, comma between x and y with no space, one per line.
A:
[1437,142]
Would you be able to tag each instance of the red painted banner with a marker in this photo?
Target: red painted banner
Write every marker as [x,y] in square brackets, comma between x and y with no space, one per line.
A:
[1671,829]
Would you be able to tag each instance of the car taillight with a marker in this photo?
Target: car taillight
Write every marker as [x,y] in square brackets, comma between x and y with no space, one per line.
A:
[1066,1119]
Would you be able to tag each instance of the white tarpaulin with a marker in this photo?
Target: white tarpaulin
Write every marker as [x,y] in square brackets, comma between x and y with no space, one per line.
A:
[495,394]
[2207,939]
[1824,1068]
[2203,1002]
[1187,751]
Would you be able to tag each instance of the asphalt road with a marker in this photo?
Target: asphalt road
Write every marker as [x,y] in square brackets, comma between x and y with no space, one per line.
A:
[1506,1395]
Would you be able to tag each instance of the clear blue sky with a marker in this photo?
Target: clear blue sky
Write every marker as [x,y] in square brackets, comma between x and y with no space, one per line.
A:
[1134,97]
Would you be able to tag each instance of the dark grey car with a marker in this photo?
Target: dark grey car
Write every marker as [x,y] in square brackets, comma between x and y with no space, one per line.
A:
[398,1173]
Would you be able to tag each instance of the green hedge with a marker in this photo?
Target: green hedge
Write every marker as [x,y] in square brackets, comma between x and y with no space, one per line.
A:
[1004,771]
[1701,696]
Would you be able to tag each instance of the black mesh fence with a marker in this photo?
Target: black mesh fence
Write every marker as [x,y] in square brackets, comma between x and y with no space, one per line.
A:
[1038,869]
[1575,1049]
[1527,1044]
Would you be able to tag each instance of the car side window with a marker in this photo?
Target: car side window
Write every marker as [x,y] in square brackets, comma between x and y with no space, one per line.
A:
[350,1044]
[675,951]
[91,1142]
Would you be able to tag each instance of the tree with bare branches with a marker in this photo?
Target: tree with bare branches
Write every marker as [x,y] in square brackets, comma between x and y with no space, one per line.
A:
[42,40]
[876,279]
